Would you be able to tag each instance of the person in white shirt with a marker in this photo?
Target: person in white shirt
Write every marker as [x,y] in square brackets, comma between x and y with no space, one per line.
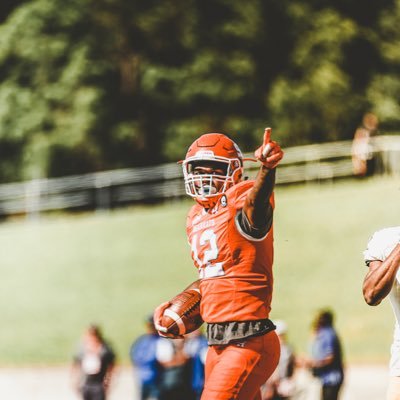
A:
[382,256]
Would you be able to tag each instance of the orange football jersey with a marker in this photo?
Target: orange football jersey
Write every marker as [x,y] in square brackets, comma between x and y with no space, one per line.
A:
[235,269]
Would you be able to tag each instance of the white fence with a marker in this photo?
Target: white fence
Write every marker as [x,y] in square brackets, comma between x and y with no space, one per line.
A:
[110,189]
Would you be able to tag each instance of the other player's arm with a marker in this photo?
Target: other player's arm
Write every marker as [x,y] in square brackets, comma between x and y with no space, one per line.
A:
[257,208]
[380,277]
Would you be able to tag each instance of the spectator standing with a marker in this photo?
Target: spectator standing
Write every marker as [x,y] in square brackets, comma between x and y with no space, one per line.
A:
[196,347]
[382,257]
[175,380]
[362,150]
[93,365]
[144,361]
[326,360]
[281,385]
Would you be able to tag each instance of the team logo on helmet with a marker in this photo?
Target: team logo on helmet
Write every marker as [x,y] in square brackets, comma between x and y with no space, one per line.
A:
[224,201]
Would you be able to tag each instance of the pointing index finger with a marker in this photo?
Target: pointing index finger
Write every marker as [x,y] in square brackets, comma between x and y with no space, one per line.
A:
[267,136]
[267,139]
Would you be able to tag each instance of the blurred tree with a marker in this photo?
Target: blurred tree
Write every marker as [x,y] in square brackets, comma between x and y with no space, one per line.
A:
[7,6]
[239,48]
[315,99]
[90,85]
[384,89]
[47,99]
[145,43]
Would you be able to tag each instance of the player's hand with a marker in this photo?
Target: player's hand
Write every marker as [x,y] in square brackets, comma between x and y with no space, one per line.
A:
[157,318]
[270,153]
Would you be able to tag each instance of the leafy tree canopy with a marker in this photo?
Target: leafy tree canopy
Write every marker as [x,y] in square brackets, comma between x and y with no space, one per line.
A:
[91,85]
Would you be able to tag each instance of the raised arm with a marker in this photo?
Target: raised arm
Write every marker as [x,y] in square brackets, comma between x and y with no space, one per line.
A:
[257,207]
[380,277]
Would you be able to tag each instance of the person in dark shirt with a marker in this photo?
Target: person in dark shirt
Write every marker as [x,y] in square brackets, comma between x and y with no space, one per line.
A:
[175,382]
[93,365]
[326,360]
[282,383]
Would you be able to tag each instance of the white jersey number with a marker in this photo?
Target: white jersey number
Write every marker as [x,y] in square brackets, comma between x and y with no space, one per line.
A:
[207,269]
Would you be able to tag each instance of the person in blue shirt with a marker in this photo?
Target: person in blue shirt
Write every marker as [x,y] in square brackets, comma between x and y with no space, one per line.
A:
[144,360]
[326,360]
[196,347]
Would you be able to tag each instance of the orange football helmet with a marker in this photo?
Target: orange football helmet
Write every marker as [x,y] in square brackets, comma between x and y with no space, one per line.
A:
[217,151]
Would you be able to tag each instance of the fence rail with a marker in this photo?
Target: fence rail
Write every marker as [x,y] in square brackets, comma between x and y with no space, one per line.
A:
[110,189]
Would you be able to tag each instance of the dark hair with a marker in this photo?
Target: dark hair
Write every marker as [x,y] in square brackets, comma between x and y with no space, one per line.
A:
[323,319]
[95,330]
[149,318]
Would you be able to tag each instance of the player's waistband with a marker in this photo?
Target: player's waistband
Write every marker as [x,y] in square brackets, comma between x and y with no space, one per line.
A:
[222,333]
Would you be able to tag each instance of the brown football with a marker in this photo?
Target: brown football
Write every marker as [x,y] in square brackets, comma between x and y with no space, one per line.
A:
[183,314]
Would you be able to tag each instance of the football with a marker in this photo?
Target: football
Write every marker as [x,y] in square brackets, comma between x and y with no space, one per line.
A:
[183,314]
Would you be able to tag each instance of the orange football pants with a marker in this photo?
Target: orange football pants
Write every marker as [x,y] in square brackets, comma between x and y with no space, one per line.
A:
[237,371]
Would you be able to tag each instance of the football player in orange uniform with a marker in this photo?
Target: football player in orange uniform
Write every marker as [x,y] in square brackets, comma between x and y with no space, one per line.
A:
[231,237]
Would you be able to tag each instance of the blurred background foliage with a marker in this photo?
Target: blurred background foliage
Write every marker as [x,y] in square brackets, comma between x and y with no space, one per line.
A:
[89,85]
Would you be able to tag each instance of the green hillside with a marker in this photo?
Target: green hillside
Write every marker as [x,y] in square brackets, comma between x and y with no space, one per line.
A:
[63,272]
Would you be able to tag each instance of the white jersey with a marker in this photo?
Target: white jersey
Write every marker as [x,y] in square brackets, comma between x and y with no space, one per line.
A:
[379,247]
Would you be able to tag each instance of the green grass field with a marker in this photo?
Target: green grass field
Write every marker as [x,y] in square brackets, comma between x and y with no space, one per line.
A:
[63,272]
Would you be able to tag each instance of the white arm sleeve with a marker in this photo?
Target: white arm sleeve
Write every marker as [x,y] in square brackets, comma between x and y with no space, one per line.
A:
[381,244]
